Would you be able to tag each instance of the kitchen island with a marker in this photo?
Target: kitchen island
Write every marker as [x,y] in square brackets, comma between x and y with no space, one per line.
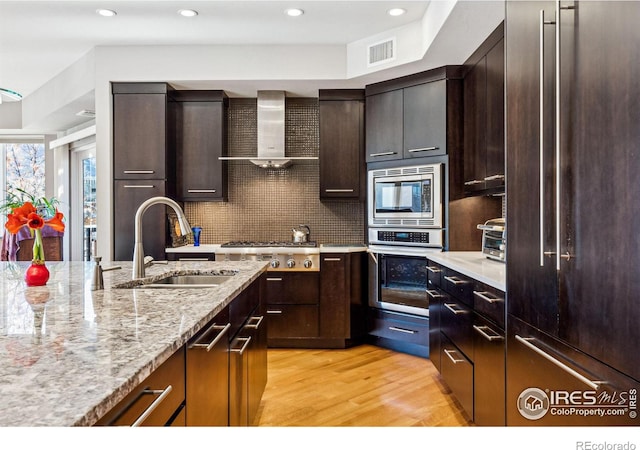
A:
[68,353]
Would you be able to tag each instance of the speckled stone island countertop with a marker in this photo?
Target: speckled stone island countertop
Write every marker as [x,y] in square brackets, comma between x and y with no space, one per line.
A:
[69,354]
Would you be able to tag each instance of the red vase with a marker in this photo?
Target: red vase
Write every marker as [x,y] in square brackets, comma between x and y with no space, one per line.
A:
[37,274]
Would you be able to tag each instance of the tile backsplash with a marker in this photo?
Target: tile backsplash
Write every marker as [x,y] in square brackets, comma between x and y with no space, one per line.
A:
[266,204]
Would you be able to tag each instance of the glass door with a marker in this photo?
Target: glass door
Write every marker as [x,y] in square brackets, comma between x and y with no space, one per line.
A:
[83,208]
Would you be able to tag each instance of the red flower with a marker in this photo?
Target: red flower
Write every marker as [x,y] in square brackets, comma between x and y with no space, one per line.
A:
[56,222]
[27,215]
[35,222]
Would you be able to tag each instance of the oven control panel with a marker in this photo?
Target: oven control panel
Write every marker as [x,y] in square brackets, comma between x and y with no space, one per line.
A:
[422,238]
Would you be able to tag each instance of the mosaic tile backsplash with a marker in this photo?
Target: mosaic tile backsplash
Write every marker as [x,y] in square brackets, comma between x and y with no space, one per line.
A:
[266,204]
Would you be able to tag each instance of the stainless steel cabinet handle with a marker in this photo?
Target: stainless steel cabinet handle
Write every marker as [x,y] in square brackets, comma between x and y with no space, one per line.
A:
[147,412]
[453,360]
[274,311]
[138,186]
[489,337]
[193,259]
[273,279]
[210,345]
[526,341]
[485,296]
[241,350]
[435,294]
[403,330]
[494,177]
[338,190]
[257,320]
[433,269]
[450,307]
[472,182]
[201,191]
[423,149]
[139,172]
[332,259]
[374,155]
[455,280]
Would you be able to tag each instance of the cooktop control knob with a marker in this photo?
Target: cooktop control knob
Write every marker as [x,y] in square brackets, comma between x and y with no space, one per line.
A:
[307,263]
[291,263]
[275,263]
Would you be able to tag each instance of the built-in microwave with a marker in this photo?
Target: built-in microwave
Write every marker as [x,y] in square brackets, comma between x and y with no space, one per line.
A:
[405,196]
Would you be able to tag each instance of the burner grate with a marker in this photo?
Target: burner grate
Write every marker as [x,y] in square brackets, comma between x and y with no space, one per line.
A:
[250,244]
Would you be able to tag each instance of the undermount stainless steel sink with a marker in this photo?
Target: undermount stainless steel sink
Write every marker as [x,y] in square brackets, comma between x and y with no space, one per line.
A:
[188,281]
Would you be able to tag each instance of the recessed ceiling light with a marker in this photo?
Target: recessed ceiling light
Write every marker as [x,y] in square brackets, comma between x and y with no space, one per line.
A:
[188,12]
[294,12]
[9,95]
[106,12]
[396,11]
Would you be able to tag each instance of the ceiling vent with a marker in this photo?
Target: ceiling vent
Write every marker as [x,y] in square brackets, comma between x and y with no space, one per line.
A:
[381,52]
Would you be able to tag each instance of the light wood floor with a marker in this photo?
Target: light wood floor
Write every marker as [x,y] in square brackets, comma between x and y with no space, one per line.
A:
[361,386]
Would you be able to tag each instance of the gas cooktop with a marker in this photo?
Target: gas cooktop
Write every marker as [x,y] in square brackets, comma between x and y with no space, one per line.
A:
[249,244]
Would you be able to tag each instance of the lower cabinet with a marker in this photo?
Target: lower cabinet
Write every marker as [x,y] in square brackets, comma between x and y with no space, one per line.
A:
[398,331]
[158,401]
[467,341]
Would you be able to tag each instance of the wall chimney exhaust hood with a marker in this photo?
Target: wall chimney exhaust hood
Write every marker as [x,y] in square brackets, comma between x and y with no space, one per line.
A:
[270,155]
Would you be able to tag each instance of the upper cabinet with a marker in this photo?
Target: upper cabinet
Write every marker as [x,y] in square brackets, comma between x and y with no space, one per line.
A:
[342,161]
[142,130]
[484,161]
[201,138]
[413,116]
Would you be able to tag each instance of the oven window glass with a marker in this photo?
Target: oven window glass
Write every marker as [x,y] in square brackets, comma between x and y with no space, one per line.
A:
[403,196]
[403,280]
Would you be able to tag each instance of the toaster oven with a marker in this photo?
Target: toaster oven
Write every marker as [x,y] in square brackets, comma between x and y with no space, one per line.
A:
[494,239]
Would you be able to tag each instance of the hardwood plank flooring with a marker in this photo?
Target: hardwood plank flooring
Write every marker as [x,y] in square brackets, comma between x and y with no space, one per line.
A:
[363,386]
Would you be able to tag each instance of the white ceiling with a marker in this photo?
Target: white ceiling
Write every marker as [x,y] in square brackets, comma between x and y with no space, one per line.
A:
[39,39]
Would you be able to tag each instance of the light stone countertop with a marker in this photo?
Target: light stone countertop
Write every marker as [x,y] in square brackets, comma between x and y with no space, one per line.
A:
[69,354]
[474,265]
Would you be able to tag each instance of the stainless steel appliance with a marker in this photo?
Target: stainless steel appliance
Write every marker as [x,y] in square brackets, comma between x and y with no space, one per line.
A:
[406,196]
[282,255]
[398,279]
[494,239]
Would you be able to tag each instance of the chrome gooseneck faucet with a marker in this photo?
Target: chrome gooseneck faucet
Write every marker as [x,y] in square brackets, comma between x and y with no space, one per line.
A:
[138,250]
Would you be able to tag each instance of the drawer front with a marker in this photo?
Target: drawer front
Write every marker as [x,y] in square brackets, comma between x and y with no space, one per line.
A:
[489,302]
[456,320]
[436,299]
[400,327]
[458,285]
[434,275]
[489,382]
[242,306]
[293,288]
[162,393]
[457,372]
[292,321]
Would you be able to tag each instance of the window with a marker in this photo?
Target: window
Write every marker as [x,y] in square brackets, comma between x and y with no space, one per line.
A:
[24,169]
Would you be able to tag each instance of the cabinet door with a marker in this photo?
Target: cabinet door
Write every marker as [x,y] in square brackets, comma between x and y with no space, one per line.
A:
[475,126]
[128,196]
[292,288]
[342,169]
[334,296]
[292,321]
[532,288]
[201,140]
[489,382]
[600,164]
[425,119]
[257,360]
[140,136]
[457,372]
[495,160]
[384,126]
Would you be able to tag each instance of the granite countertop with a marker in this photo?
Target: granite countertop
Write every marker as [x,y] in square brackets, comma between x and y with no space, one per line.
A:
[474,265]
[69,354]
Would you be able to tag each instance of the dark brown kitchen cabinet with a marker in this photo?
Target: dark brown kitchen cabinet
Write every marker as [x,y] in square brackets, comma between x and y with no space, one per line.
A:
[143,154]
[342,160]
[157,401]
[467,341]
[143,131]
[342,312]
[484,159]
[414,116]
[383,127]
[201,138]
[580,163]
[128,195]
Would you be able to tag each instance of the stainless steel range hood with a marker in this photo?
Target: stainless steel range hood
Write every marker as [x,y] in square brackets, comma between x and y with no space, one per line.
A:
[271,128]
